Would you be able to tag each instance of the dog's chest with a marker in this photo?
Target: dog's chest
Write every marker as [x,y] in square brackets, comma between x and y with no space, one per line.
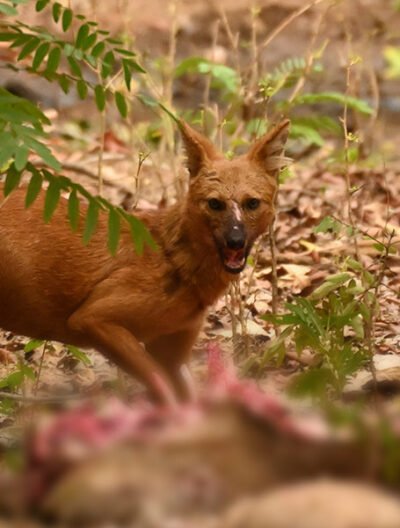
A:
[161,313]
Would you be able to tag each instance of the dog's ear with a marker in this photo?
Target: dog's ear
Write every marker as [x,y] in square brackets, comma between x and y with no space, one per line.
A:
[199,149]
[268,150]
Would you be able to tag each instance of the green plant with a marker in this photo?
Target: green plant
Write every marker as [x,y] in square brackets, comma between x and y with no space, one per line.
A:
[22,124]
[272,88]
[16,379]
[42,53]
[335,322]
[330,323]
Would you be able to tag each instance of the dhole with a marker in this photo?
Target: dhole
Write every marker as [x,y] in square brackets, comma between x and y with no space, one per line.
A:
[142,312]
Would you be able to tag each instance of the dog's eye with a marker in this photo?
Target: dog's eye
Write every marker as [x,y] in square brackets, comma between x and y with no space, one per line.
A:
[215,204]
[253,203]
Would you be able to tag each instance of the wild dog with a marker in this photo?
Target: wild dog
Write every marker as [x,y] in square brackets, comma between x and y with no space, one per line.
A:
[142,312]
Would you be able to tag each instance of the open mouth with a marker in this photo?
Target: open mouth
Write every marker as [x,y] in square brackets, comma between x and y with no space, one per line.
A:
[234,260]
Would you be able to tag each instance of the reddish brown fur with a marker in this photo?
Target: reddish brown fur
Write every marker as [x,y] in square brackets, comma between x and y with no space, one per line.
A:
[54,287]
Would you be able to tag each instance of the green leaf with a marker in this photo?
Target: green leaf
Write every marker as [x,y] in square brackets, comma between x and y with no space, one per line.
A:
[53,60]
[79,354]
[148,239]
[256,127]
[41,4]
[64,83]
[40,54]
[73,210]
[334,97]
[307,313]
[82,35]
[82,89]
[33,344]
[189,65]
[358,326]
[20,40]
[28,372]
[21,158]
[276,349]
[121,104]
[136,233]
[309,134]
[147,100]
[13,380]
[135,66]
[51,200]
[90,221]
[353,264]
[100,97]
[125,53]
[320,123]
[98,49]
[89,42]
[8,10]
[8,408]
[68,50]
[339,278]
[75,67]
[44,152]
[6,37]
[56,11]
[34,188]
[113,231]
[328,224]
[28,48]
[224,77]
[66,19]
[8,144]
[108,63]
[12,180]
[127,73]
[284,75]
[332,283]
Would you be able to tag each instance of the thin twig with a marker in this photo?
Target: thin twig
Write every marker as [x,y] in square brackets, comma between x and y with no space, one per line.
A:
[344,121]
[35,387]
[101,152]
[309,56]
[241,316]
[274,272]
[206,96]
[288,20]
[142,158]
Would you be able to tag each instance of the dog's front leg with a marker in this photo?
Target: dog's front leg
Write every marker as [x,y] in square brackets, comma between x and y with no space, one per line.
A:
[119,345]
[173,352]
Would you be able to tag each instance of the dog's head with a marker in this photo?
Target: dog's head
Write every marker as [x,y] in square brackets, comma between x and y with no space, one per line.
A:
[231,203]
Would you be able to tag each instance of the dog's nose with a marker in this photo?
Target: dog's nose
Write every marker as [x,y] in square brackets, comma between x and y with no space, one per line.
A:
[236,238]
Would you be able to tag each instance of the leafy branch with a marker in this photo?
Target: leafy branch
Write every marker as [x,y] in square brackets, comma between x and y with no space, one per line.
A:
[64,61]
[57,185]
[22,124]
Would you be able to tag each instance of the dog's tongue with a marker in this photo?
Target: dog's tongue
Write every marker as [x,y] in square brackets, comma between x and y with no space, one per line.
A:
[234,258]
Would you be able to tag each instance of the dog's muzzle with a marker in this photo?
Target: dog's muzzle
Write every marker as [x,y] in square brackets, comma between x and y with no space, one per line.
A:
[234,254]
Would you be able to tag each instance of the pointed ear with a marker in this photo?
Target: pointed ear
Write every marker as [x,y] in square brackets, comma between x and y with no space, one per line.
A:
[268,150]
[199,149]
